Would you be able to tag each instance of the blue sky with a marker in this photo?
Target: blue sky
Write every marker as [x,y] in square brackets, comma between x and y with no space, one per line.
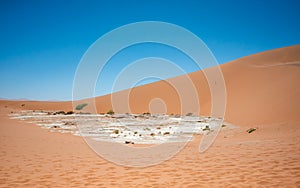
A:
[42,42]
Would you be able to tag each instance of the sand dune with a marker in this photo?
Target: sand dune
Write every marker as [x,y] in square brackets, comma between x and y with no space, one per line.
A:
[262,91]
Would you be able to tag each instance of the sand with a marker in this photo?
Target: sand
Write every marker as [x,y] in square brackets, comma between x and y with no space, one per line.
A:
[31,156]
[262,92]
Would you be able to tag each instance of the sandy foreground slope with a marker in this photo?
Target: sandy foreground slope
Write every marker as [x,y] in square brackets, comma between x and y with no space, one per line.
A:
[262,92]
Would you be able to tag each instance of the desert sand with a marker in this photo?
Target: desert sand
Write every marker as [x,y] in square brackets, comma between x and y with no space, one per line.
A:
[262,92]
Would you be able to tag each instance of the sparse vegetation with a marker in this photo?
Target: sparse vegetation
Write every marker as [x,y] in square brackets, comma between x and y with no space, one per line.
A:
[111,112]
[69,113]
[251,130]
[206,128]
[116,131]
[189,114]
[129,142]
[59,112]
[81,106]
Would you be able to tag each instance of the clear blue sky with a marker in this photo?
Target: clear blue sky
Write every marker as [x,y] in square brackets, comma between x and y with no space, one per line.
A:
[42,42]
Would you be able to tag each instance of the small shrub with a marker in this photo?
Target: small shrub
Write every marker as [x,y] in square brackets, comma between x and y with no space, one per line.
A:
[223,125]
[251,130]
[59,112]
[81,106]
[69,113]
[166,133]
[189,114]
[111,112]
[135,132]
[129,142]
[206,128]
[116,131]
[146,113]
[152,134]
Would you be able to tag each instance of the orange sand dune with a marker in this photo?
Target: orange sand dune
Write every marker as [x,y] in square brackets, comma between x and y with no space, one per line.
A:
[261,89]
